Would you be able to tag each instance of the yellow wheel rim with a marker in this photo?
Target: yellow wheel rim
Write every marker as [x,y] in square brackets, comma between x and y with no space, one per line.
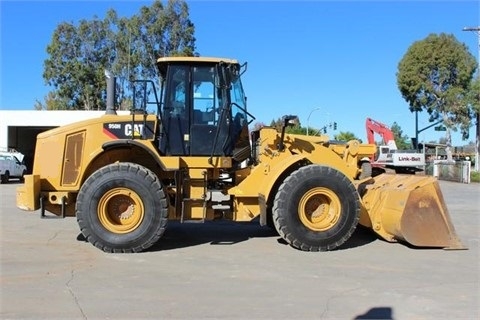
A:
[319,209]
[120,210]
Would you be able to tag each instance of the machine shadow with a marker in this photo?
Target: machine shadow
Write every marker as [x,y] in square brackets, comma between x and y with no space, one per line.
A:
[360,237]
[384,313]
[13,181]
[183,235]
[180,235]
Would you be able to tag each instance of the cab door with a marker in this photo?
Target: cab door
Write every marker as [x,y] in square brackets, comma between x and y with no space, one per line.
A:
[207,108]
[193,111]
[175,130]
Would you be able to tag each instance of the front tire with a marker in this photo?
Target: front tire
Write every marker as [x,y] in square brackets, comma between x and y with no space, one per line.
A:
[316,208]
[122,208]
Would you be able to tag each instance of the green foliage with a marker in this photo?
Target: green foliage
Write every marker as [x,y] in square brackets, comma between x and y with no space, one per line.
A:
[277,124]
[79,54]
[74,66]
[402,141]
[473,96]
[345,136]
[474,176]
[435,75]
[297,129]
[52,101]
[312,131]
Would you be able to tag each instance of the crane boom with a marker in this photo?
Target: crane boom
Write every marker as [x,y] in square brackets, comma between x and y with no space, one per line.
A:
[383,130]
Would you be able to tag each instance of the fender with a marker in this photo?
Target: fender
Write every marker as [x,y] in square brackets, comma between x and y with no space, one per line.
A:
[297,160]
[167,163]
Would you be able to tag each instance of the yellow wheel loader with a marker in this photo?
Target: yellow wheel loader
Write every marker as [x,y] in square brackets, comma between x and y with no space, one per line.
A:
[125,177]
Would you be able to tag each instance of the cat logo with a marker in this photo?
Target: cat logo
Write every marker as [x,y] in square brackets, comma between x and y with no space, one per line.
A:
[137,130]
[129,130]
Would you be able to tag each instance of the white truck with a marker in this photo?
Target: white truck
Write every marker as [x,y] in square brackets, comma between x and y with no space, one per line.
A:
[11,166]
[394,158]
[389,156]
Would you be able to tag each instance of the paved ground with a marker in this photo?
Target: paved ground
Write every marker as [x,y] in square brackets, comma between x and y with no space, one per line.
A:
[227,271]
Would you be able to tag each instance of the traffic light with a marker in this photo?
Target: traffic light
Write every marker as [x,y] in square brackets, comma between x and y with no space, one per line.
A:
[324,129]
[334,126]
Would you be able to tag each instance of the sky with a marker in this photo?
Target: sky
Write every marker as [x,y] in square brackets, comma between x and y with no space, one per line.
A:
[324,61]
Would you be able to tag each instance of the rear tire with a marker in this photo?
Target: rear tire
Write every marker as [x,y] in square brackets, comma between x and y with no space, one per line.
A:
[316,208]
[122,208]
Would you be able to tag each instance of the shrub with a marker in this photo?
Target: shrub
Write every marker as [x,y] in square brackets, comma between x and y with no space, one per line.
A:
[474,176]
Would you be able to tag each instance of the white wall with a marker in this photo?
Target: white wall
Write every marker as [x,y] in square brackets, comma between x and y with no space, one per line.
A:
[34,118]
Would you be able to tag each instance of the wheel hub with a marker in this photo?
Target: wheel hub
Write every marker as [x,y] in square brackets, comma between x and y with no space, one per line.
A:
[127,213]
[319,209]
[122,207]
[121,210]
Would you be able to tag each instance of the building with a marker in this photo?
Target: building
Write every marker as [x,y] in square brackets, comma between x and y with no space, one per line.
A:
[19,128]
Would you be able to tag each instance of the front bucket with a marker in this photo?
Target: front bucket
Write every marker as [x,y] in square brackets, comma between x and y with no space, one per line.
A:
[408,208]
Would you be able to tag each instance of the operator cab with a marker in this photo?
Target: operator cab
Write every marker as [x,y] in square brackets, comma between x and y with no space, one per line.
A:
[203,108]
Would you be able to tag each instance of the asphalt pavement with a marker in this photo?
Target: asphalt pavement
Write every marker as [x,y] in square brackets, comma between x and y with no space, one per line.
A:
[225,270]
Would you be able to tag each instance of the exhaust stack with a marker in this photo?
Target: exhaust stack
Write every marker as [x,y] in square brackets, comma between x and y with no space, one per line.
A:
[111,83]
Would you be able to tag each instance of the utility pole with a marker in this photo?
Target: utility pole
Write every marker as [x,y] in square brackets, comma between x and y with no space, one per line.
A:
[477,30]
[308,118]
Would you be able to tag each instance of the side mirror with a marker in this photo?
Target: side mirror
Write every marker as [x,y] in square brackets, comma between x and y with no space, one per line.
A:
[288,121]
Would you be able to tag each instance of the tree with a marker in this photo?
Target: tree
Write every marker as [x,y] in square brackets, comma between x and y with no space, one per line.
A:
[79,54]
[52,102]
[435,75]
[345,136]
[298,129]
[158,31]
[295,129]
[473,97]
[277,124]
[401,140]
[257,126]
[474,101]
[74,68]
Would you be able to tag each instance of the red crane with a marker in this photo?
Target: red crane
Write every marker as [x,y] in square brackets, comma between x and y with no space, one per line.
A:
[383,130]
